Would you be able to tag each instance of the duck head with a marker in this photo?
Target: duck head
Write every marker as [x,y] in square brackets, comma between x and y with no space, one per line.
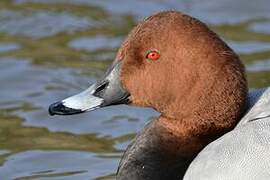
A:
[170,62]
[176,65]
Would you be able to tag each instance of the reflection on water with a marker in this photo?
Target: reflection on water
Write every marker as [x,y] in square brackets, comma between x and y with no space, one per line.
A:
[95,43]
[40,23]
[261,27]
[5,47]
[67,164]
[51,49]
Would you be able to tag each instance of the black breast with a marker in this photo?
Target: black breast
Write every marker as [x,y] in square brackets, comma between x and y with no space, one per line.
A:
[144,159]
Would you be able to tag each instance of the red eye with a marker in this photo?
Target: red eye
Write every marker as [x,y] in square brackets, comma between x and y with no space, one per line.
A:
[153,55]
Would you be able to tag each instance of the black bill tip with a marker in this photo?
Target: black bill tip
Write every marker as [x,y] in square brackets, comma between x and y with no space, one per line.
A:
[59,109]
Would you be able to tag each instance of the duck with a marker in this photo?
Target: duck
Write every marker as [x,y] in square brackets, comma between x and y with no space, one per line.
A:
[210,125]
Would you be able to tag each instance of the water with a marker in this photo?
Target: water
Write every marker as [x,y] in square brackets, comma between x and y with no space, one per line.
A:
[51,49]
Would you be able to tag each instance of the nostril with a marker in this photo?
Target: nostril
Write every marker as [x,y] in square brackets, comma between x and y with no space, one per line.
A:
[101,87]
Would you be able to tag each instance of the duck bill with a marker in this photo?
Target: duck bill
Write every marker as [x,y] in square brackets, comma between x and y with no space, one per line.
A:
[108,91]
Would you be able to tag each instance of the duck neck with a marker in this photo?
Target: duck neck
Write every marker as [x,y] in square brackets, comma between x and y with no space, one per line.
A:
[187,136]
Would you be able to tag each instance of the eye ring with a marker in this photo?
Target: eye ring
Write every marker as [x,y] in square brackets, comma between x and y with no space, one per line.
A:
[152,55]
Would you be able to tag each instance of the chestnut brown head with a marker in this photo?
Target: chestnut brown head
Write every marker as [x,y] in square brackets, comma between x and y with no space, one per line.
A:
[175,64]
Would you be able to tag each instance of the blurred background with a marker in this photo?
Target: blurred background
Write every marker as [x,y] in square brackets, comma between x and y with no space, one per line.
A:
[51,49]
